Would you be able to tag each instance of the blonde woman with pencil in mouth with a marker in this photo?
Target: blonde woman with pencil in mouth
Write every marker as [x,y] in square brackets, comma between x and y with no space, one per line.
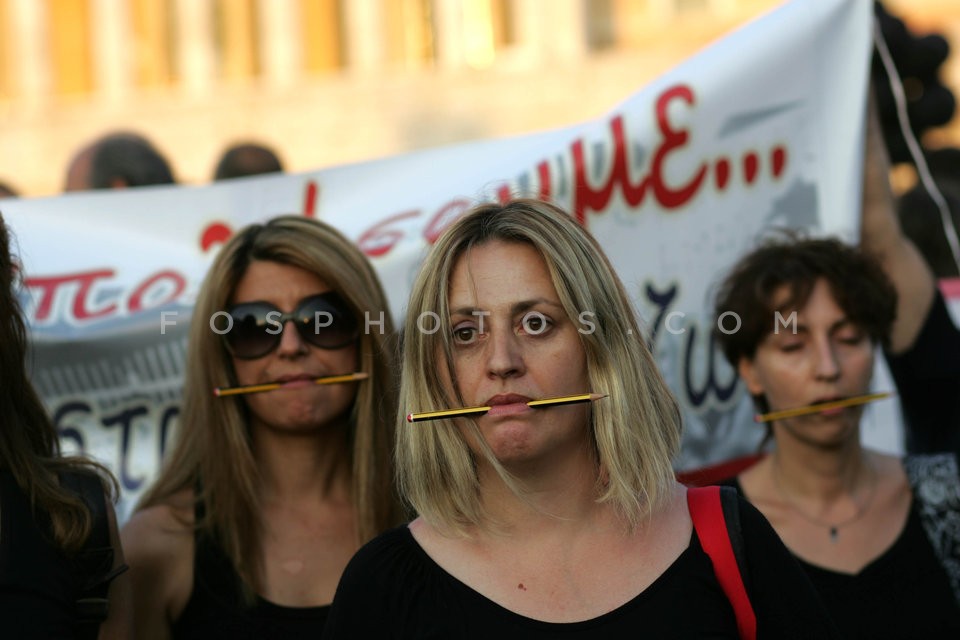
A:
[281,467]
[546,498]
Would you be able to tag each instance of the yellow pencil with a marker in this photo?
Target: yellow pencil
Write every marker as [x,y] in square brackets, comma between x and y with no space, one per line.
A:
[472,411]
[822,406]
[270,386]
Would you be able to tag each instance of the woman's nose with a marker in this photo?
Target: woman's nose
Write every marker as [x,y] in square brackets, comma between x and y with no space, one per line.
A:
[291,343]
[504,354]
[827,365]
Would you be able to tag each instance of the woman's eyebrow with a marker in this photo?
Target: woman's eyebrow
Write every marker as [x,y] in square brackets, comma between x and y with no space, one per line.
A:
[516,307]
[466,311]
[524,305]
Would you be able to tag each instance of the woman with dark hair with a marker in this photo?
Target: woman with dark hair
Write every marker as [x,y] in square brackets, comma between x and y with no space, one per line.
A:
[878,535]
[59,547]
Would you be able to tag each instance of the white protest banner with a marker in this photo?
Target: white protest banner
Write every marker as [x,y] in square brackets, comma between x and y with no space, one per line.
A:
[764,128]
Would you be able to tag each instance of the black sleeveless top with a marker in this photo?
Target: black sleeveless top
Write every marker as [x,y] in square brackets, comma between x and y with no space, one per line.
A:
[38,583]
[216,608]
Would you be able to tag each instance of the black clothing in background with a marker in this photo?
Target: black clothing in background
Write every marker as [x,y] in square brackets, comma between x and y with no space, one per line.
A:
[38,584]
[904,593]
[216,608]
[928,384]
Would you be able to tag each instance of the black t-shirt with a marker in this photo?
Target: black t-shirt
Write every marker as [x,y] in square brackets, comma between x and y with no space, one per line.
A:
[903,593]
[393,589]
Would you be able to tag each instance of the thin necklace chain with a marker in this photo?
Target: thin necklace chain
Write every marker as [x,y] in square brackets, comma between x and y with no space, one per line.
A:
[832,528]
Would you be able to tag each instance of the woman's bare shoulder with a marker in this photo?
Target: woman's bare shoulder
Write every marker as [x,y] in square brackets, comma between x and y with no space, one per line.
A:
[158,540]
[158,544]
[166,524]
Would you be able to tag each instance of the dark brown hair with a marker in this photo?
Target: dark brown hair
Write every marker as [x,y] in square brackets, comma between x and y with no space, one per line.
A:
[29,446]
[857,283]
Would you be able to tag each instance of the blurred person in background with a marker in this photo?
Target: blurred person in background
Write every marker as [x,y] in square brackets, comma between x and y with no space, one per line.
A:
[118,161]
[247,159]
[6,191]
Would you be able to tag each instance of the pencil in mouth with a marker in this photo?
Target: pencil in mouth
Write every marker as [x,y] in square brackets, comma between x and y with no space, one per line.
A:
[478,411]
[221,392]
[821,407]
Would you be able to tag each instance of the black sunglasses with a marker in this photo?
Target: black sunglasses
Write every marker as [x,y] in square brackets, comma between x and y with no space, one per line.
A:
[323,320]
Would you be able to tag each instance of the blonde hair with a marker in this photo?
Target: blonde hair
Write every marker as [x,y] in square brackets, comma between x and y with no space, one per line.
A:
[213,453]
[636,431]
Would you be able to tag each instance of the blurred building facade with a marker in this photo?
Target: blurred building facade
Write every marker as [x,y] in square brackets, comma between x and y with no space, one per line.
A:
[330,81]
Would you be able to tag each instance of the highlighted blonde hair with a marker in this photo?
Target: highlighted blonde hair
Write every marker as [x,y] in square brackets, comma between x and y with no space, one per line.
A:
[213,450]
[635,432]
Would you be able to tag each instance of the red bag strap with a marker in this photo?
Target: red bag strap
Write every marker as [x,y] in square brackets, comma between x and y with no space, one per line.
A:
[706,511]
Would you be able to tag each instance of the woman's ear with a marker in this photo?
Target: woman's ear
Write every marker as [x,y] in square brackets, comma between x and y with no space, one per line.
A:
[748,373]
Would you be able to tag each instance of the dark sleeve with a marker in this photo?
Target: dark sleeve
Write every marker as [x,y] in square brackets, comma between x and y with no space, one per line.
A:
[784,599]
[927,377]
[390,590]
[363,604]
[94,562]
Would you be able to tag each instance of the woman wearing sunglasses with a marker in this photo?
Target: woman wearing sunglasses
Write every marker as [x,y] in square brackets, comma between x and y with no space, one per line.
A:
[266,495]
[547,522]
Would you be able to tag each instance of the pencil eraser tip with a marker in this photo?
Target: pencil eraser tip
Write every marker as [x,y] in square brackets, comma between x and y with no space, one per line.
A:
[409,417]
[216,392]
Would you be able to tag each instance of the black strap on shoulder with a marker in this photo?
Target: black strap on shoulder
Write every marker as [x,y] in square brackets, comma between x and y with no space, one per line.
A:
[93,564]
[730,503]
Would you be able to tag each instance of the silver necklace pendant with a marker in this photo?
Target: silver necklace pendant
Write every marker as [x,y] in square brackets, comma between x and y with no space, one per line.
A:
[832,529]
